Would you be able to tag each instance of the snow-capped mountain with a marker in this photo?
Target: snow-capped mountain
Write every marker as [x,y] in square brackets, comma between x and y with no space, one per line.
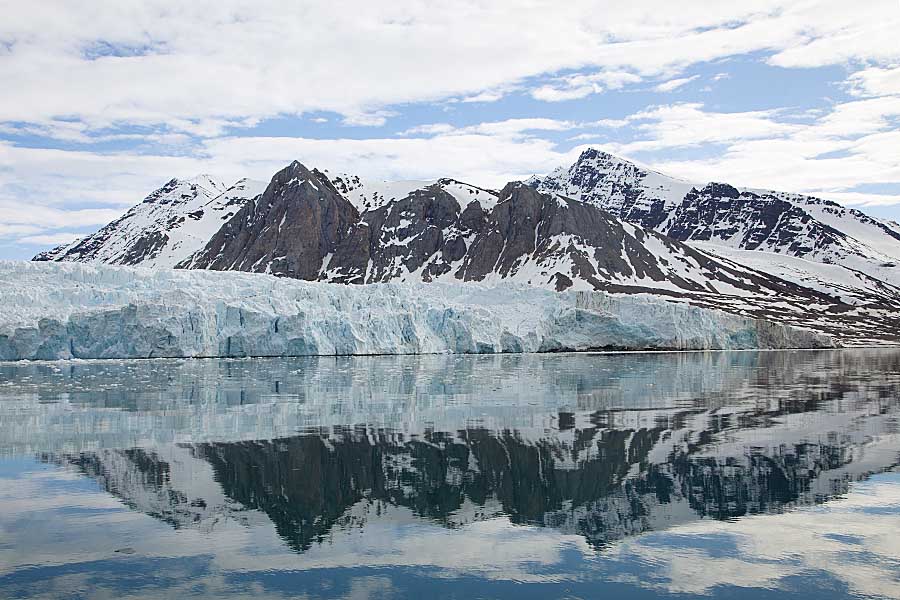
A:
[168,226]
[302,227]
[793,224]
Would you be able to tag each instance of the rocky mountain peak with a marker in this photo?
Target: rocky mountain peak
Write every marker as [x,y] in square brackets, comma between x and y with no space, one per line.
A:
[720,190]
[288,230]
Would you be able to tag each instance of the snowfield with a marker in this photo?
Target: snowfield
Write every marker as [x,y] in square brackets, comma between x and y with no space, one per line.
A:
[73,310]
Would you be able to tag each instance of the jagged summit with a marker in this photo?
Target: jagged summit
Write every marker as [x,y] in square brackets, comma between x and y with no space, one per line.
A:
[288,230]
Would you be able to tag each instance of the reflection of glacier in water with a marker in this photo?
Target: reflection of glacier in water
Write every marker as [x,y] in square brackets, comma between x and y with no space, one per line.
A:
[600,446]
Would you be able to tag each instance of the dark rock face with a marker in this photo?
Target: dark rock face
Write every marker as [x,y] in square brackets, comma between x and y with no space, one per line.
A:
[402,236]
[287,231]
[719,212]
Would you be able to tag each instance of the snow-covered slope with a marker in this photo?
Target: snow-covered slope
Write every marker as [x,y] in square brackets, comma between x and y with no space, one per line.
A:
[66,310]
[168,226]
[777,222]
[850,286]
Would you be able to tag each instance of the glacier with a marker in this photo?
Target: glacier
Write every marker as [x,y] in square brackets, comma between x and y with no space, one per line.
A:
[55,311]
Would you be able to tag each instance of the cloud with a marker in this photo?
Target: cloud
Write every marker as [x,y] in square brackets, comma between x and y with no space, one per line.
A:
[208,66]
[838,33]
[690,125]
[368,119]
[51,239]
[673,84]
[864,200]
[506,128]
[488,159]
[573,87]
[487,96]
[876,81]
[44,217]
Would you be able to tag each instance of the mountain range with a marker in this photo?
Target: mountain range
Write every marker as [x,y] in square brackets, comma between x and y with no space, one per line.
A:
[603,223]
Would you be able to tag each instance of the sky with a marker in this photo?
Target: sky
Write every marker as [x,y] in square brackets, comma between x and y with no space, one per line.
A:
[103,102]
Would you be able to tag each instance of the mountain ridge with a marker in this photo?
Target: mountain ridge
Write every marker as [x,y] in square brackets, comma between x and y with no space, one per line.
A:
[762,254]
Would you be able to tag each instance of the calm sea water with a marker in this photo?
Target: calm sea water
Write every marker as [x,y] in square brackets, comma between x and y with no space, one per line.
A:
[724,475]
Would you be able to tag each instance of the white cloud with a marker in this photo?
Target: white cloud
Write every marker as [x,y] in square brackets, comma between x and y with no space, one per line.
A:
[839,32]
[573,87]
[689,125]
[209,65]
[864,200]
[507,128]
[486,159]
[51,239]
[429,129]
[368,119]
[876,81]
[32,217]
[488,96]
[673,84]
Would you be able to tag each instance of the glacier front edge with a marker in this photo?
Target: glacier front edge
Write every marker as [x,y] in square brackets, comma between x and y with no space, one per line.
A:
[53,311]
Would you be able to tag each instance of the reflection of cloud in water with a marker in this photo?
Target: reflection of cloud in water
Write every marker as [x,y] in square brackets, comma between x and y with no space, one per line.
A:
[852,539]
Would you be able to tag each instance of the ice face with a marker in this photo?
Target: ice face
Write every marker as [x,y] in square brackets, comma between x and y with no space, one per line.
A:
[66,310]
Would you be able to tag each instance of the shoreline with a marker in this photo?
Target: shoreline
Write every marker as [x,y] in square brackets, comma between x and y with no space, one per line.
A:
[82,361]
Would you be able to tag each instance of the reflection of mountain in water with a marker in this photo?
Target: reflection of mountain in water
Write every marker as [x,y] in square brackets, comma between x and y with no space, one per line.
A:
[69,408]
[787,433]
[308,485]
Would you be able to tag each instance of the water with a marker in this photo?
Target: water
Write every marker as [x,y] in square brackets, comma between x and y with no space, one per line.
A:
[723,475]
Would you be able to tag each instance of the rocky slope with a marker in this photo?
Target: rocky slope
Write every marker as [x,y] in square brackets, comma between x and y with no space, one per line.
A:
[288,230]
[722,215]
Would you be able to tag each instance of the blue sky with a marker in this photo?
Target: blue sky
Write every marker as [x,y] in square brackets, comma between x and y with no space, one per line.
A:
[104,102]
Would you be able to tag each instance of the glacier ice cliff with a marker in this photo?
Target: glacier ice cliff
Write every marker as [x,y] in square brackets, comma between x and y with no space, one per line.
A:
[70,310]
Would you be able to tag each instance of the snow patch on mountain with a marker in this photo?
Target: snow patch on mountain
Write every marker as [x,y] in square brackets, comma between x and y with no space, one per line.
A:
[368,195]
